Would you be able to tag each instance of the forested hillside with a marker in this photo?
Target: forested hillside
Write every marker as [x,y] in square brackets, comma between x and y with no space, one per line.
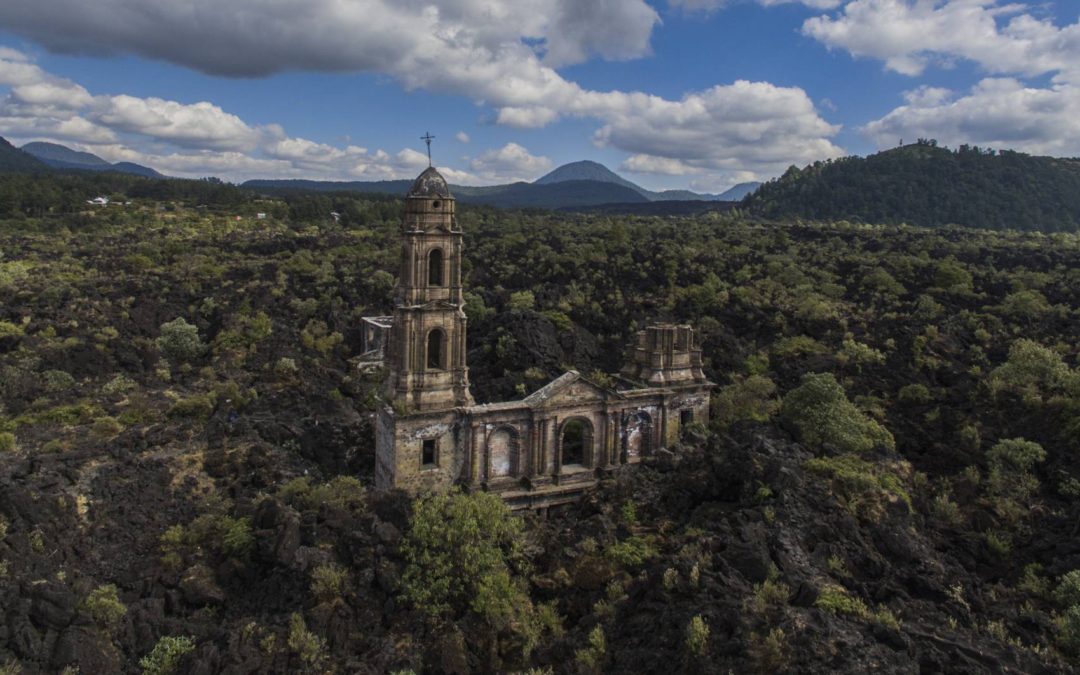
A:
[14,159]
[923,184]
[890,482]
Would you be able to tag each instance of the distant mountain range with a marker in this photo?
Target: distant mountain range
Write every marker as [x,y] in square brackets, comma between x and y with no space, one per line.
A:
[594,171]
[571,186]
[62,157]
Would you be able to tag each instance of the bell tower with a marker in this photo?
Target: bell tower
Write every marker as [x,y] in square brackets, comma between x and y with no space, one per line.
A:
[426,351]
[419,438]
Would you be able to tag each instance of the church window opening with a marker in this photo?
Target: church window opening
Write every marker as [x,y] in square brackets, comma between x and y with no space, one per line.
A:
[429,456]
[435,360]
[435,268]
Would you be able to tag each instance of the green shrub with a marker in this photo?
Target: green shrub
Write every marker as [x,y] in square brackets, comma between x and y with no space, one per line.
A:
[837,600]
[914,394]
[57,381]
[286,367]
[593,655]
[341,492]
[306,645]
[1026,304]
[1015,454]
[197,407]
[797,346]
[328,581]
[942,508]
[106,427]
[1031,369]
[165,657]
[858,354]
[769,595]
[521,301]
[560,320]
[179,341]
[475,308]
[769,652]
[1067,592]
[172,542]
[632,551]
[697,636]
[881,281]
[104,606]
[1068,630]
[231,536]
[864,488]
[460,552]
[318,336]
[951,275]
[120,384]
[1011,482]
[236,536]
[8,329]
[7,441]
[750,398]
[1035,583]
[998,543]
[822,414]
[245,333]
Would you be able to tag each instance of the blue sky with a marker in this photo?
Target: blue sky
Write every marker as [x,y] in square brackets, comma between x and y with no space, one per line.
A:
[683,93]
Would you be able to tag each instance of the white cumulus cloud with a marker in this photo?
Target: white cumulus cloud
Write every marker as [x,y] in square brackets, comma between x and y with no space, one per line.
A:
[909,35]
[1005,39]
[502,54]
[510,163]
[999,113]
[714,5]
[181,139]
[746,126]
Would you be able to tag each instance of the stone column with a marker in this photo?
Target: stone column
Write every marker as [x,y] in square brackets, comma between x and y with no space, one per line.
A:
[486,455]
[663,422]
[556,447]
[474,454]
[534,450]
[616,437]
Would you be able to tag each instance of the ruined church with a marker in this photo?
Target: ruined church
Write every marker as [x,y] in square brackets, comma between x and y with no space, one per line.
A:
[543,450]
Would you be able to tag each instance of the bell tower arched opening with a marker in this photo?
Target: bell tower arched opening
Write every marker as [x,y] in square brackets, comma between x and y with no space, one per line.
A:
[435,267]
[436,340]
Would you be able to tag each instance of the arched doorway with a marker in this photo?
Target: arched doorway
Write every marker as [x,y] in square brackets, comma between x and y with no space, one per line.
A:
[638,436]
[576,442]
[502,450]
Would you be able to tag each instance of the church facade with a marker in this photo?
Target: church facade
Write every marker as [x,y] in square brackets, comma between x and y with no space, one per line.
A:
[543,450]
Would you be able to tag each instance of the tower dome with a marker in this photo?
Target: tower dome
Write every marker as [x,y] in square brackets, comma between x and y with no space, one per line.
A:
[430,185]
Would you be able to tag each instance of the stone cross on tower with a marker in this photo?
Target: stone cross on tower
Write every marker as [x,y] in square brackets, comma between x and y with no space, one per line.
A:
[428,138]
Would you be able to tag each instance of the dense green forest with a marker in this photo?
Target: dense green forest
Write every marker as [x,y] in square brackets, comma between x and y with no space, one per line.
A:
[890,480]
[923,184]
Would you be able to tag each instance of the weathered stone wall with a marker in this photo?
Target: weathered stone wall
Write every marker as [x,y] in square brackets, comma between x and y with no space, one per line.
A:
[400,446]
